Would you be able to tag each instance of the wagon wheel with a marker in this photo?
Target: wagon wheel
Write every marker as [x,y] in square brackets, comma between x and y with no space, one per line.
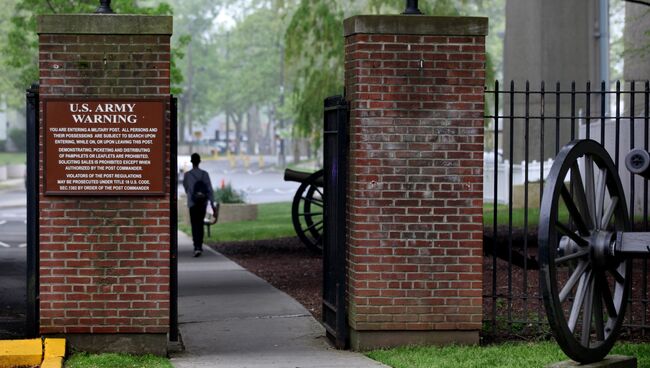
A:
[584,285]
[307,212]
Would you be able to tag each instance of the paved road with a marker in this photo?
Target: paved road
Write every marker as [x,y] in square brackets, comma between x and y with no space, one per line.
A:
[12,263]
[259,185]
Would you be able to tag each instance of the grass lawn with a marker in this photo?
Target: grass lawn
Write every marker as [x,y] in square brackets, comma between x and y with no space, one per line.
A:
[13,158]
[273,221]
[507,355]
[84,360]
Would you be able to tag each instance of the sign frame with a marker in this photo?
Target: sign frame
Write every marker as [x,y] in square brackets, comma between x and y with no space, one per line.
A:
[165,124]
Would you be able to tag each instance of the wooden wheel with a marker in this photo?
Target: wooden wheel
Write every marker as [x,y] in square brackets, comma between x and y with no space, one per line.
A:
[307,212]
[583,283]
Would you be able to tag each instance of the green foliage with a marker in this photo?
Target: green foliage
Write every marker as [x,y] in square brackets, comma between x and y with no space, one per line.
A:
[273,221]
[12,157]
[508,355]
[314,41]
[85,360]
[19,138]
[20,51]
[227,194]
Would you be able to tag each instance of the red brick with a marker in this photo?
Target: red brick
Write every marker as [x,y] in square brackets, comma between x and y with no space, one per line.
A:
[87,227]
[425,187]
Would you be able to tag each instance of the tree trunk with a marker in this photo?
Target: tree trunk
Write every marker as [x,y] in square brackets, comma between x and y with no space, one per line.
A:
[252,129]
[296,150]
[237,119]
[268,136]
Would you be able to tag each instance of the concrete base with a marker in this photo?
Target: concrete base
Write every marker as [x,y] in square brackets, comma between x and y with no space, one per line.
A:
[235,212]
[610,361]
[369,340]
[138,344]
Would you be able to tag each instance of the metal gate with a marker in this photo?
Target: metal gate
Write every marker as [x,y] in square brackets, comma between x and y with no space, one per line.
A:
[31,186]
[173,221]
[527,126]
[335,142]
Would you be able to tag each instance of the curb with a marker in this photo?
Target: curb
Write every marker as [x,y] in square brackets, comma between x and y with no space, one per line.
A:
[46,353]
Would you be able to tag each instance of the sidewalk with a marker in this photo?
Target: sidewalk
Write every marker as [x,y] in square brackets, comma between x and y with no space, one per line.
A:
[230,318]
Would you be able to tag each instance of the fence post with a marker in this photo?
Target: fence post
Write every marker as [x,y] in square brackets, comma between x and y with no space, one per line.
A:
[415,190]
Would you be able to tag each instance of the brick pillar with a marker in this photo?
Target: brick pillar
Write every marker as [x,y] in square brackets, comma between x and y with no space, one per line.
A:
[104,260]
[415,197]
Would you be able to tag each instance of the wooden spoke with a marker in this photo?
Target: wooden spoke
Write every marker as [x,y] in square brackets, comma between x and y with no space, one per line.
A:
[315,201]
[587,313]
[600,199]
[310,214]
[574,212]
[599,324]
[617,276]
[579,193]
[575,237]
[603,286]
[568,257]
[575,276]
[607,217]
[578,300]
[314,225]
[590,191]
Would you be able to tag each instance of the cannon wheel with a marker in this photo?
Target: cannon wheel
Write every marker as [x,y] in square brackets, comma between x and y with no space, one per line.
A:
[584,285]
[307,212]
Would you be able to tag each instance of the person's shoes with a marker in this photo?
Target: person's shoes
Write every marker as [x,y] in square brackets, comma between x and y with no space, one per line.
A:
[197,253]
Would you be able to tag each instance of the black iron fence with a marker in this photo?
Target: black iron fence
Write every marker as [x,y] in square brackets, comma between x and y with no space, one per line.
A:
[526,127]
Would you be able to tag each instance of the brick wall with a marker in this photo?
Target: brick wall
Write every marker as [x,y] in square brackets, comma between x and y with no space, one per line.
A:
[104,261]
[416,164]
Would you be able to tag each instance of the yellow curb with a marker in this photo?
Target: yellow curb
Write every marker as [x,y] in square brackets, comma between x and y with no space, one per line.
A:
[17,353]
[52,362]
[54,348]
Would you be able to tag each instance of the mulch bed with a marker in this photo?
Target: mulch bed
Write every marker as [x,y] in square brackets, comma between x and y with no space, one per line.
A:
[288,266]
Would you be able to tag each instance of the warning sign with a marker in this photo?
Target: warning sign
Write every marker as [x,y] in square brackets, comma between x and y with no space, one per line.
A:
[104,147]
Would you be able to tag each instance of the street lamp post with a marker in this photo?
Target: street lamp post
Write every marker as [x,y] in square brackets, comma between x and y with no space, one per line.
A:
[104,7]
[412,8]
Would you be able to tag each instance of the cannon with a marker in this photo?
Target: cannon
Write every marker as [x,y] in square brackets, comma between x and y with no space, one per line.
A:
[586,247]
[308,207]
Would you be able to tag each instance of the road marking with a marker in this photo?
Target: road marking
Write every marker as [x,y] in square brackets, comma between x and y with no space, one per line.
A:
[5,245]
[251,172]
[2,222]
[250,190]
[23,245]
[283,191]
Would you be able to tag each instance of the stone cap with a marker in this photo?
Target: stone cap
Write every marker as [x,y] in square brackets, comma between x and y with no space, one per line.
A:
[105,24]
[416,25]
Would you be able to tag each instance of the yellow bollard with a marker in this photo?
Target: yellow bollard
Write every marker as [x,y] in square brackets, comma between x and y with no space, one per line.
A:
[246,160]
[260,162]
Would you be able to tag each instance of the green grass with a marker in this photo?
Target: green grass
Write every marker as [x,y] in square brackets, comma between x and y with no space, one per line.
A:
[84,360]
[507,355]
[13,158]
[273,221]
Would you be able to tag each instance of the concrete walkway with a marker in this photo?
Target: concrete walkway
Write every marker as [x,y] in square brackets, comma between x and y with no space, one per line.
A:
[230,318]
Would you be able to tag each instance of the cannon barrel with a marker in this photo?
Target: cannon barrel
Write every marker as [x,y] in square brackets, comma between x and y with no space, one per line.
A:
[637,162]
[300,176]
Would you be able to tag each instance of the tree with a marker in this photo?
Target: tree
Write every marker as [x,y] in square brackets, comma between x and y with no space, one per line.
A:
[315,48]
[20,52]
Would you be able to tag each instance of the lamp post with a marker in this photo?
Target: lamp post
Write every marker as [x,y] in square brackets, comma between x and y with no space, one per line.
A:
[104,7]
[412,8]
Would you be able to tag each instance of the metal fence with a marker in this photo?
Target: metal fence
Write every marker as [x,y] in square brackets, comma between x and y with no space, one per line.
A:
[531,124]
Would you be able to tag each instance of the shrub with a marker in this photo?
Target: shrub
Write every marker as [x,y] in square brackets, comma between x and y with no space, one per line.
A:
[19,138]
[226,194]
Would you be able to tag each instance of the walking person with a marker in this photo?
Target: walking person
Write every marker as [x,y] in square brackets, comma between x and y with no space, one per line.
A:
[199,192]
